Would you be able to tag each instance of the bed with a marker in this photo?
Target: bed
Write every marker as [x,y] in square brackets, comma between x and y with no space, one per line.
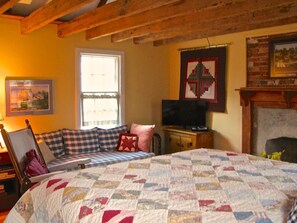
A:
[202,185]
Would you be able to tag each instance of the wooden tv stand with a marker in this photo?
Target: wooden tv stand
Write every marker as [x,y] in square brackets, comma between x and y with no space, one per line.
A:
[178,139]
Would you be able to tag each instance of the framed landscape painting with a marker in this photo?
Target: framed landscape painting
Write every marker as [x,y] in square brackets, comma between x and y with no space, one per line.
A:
[283,58]
[28,97]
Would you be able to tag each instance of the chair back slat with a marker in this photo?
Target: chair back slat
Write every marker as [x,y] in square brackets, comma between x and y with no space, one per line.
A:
[21,142]
[18,143]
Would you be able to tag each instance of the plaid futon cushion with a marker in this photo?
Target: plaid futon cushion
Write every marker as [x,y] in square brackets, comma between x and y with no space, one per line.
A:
[292,217]
[108,138]
[54,141]
[81,141]
[101,158]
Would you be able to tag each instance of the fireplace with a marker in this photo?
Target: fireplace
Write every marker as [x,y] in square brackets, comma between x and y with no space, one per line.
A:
[286,145]
[253,99]
[271,123]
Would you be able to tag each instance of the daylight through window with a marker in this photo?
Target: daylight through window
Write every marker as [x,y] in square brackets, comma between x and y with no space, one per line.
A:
[100,89]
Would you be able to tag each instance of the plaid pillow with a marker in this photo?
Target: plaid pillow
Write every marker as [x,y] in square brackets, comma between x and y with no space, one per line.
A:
[54,141]
[292,217]
[108,138]
[81,141]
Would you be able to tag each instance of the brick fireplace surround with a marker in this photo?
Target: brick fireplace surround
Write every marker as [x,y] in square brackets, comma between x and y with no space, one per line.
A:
[263,91]
[266,97]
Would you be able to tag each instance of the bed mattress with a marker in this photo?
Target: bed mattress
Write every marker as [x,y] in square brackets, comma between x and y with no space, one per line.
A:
[202,185]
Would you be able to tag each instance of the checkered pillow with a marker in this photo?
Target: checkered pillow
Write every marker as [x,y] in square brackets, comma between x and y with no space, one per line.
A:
[81,141]
[108,138]
[292,216]
[54,141]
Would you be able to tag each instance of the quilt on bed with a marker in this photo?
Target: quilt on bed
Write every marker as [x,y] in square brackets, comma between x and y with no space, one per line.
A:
[200,185]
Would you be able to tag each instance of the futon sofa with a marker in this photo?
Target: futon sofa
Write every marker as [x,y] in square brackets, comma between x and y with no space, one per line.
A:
[100,145]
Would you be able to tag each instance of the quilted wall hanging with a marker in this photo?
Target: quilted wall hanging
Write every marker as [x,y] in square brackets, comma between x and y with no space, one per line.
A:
[203,77]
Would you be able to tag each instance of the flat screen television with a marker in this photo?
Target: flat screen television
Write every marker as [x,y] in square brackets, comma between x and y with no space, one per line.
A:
[184,113]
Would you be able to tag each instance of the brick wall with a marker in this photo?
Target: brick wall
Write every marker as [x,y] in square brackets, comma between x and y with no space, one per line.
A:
[258,65]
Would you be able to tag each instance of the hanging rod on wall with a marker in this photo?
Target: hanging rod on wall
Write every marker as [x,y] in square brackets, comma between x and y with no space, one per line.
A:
[204,47]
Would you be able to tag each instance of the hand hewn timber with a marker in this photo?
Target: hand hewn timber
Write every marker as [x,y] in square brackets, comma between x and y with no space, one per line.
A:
[217,27]
[227,29]
[108,13]
[101,2]
[49,12]
[160,22]
[185,7]
[7,4]
[233,9]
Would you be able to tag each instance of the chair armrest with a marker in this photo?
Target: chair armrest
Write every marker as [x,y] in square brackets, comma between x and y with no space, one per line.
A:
[43,176]
[73,164]
[156,144]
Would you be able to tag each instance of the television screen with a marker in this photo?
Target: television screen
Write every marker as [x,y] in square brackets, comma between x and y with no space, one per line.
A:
[193,113]
[185,113]
[170,112]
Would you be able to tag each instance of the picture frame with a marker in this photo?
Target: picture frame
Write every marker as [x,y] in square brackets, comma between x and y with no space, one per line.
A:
[283,57]
[28,97]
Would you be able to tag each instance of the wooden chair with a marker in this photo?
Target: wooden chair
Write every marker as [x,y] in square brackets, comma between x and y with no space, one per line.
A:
[18,143]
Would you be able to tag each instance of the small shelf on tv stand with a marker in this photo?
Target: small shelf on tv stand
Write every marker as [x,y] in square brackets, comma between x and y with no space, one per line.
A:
[178,139]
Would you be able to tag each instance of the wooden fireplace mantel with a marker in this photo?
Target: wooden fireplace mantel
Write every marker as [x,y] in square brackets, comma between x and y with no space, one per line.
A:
[266,97]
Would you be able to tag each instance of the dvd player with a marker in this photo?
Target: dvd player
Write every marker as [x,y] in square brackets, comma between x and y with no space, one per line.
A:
[199,128]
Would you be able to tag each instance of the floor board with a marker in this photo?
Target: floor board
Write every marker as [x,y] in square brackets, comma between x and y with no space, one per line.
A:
[3,215]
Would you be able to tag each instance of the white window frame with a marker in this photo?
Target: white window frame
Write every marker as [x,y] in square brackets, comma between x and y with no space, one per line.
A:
[121,56]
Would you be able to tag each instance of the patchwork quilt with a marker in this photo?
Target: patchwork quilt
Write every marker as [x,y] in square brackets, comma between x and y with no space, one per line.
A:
[201,185]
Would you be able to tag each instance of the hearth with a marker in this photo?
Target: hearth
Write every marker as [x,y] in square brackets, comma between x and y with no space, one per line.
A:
[253,98]
[286,145]
[269,123]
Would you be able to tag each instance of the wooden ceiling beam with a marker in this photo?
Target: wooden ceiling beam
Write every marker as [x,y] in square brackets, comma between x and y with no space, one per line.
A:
[233,9]
[227,26]
[231,30]
[152,16]
[220,24]
[101,2]
[49,12]
[2,2]
[109,12]
[7,4]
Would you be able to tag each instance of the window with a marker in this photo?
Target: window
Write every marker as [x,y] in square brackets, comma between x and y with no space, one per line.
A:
[99,87]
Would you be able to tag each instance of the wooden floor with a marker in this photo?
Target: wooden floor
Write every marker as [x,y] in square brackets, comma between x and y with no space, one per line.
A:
[3,215]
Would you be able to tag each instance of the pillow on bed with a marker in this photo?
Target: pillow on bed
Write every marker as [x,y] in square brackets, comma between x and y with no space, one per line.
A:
[46,152]
[127,143]
[80,141]
[34,165]
[145,134]
[108,138]
[292,216]
[54,141]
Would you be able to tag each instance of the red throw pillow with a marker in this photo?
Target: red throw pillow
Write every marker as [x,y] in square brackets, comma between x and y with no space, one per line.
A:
[34,166]
[145,134]
[127,143]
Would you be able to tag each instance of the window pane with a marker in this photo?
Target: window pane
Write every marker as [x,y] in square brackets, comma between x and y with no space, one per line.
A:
[99,95]
[100,111]
[99,73]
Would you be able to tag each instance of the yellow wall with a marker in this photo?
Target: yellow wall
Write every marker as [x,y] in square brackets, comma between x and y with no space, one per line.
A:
[151,74]
[42,55]
[227,126]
